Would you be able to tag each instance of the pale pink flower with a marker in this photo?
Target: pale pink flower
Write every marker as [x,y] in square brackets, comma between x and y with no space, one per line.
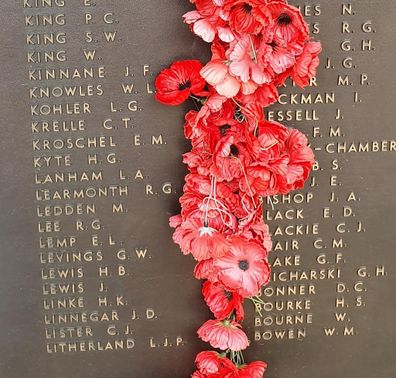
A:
[216,74]
[248,62]
[224,335]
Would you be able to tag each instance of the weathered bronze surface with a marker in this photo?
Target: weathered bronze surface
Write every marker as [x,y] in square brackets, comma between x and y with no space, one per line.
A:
[91,284]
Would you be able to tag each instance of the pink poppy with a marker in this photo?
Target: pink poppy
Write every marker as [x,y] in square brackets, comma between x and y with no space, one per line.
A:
[307,63]
[248,61]
[199,239]
[281,58]
[209,362]
[244,267]
[224,335]
[209,20]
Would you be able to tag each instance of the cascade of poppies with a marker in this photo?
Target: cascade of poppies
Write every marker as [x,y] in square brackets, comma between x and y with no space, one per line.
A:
[237,158]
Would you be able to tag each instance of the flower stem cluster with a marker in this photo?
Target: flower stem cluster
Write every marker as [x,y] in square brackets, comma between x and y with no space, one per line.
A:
[237,158]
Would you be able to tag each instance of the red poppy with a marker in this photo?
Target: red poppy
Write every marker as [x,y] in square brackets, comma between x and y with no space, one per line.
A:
[205,270]
[211,362]
[253,370]
[301,160]
[208,362]
[175,84]
[214,365]
[248,16]
[210,203]
[222,302]
[232,154]
[206,133]
[244,268]
[285,161]
[289,25]
[215,110]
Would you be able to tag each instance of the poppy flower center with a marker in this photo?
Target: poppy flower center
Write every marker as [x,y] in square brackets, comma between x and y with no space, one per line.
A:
[185,85]
[284,19]
[228,295]
[223,129]
[247,8]
[243,265]
[234,150]
[273,44]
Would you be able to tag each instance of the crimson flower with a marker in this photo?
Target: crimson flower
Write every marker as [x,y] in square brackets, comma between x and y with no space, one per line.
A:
[222,302]
[175,84]
[244,268]
[224,335]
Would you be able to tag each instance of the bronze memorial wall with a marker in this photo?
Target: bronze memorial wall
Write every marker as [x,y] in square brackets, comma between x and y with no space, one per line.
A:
[92,284]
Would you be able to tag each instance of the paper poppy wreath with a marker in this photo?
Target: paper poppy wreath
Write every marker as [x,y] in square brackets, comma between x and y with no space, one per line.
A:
[237,158]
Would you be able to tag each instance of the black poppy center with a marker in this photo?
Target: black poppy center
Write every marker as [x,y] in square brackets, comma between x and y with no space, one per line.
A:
[284,19]
[185,85]
[243,265]
[247,8]
[273,44]
[228,295]
[224,128]
[234,150]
